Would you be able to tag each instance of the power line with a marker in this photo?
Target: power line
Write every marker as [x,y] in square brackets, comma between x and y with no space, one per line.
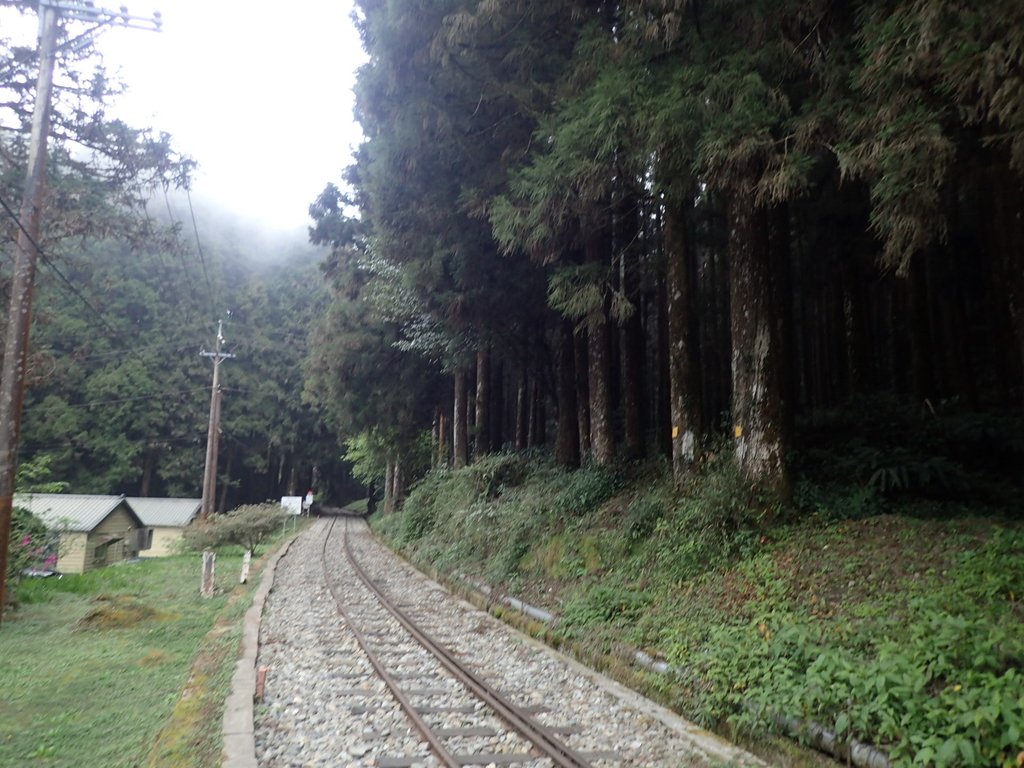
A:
[181,256]
[119,400]
[202,258]
[49,263]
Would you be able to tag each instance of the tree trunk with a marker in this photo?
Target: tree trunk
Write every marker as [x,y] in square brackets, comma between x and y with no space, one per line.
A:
[663,395]
[460,434]
[684,382]
[148,468]
[497,406]
[397,484]
[567,443]
[389,485]
[780,257]
[482,443]
[602,438]
[442,438]
[226,484]
[633,348]
[522,413]
[582,390]
[757,398]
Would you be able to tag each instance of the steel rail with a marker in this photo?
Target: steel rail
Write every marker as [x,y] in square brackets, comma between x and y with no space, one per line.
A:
[562,755]
[446,757]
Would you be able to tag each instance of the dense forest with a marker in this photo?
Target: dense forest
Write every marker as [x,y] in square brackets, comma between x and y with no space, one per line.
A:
[668,227]
[119,393]
[132,282]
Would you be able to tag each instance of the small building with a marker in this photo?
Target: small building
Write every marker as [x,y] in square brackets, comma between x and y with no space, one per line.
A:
[165,521]
[94,531]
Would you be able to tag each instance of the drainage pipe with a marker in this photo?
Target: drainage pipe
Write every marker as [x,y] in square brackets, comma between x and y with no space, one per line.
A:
[852,752]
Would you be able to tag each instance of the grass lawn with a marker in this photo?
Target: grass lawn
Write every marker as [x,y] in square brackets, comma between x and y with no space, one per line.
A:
[94,665]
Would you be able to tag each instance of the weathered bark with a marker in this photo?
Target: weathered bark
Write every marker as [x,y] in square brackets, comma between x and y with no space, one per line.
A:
[229,464]
[536,418]
[779,258]
[482,443]
[148,468]
[460,433]
[758,403]
[293,481]
[582,391]
[397,484]
[567,442]
[389,485]
[714,334]
[442,438]
[634,414]
[663,395]
[522,413]
[632,343]
[602,439]
[497,406]
[684,382]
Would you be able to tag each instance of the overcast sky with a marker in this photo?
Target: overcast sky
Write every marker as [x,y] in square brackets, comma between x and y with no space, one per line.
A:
[259,93]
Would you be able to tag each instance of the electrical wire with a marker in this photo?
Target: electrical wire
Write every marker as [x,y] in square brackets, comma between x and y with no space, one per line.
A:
[184,266]
[202,258]
[53,267]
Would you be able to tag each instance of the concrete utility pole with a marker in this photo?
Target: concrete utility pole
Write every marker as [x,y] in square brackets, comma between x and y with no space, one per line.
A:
[213,429]
[19,317]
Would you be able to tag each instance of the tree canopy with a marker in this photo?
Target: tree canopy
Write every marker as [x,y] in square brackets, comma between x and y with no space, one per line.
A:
[747,213]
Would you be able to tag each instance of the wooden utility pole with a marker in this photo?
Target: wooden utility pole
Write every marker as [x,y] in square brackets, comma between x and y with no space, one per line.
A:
[19,316]
[213,429]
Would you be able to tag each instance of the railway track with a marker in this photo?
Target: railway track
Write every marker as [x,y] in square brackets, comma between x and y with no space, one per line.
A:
[360,690]
[431,684]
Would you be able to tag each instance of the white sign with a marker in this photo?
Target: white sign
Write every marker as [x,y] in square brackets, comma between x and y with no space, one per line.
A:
[292,504]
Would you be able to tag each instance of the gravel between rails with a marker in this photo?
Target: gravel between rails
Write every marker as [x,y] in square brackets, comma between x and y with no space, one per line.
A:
[323,704]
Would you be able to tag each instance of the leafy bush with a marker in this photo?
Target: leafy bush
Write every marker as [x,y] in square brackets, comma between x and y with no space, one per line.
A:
[709,525]
[604,604]
[642,518]
[942,687]
[248,526]
[31,546]
[585,490]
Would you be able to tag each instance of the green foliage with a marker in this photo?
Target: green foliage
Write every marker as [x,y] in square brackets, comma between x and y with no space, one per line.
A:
[367,453]
[604,604]
[35,475]
[247,526]
[715,519]
[900,632]
[586,489]
[941,686]
[642,517]
[31,546]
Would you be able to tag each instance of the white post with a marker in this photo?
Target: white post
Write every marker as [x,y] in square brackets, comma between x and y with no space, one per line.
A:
[245,567]
[209,564]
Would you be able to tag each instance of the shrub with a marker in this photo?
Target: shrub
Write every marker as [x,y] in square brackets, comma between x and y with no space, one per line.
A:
[585,490]
[941,686]
[711,524]
[604,604]
[248,526]
[31,546]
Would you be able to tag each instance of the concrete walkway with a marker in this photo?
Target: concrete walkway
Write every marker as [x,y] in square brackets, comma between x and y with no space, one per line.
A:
[239,744]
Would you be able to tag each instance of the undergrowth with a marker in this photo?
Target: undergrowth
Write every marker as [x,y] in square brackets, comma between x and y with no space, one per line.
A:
[885,603]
